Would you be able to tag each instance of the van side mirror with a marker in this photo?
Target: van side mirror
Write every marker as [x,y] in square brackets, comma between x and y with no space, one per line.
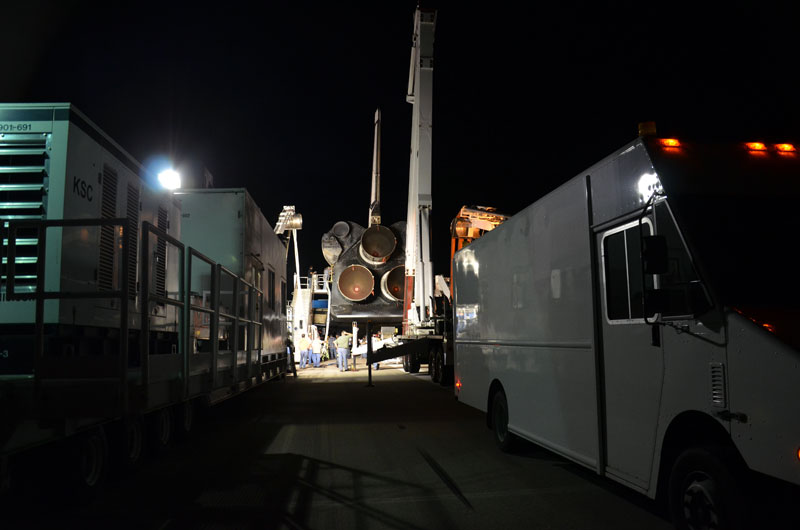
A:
[654,255]
[655,301]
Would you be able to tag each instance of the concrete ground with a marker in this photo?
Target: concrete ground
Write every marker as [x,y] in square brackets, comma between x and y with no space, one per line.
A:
[325,451]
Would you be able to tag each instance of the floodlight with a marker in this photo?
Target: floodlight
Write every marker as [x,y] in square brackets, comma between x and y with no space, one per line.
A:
[170,179]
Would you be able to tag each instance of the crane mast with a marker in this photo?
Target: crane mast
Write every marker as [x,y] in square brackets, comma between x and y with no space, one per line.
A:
[418,304]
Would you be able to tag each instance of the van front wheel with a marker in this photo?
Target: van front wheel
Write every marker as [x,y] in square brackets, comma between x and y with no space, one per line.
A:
[704,493]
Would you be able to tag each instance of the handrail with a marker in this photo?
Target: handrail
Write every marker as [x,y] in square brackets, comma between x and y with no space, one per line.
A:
[40,295]
[232,316]
[145,297]
[252,318]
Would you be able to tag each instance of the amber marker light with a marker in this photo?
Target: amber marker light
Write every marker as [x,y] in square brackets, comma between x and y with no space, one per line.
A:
[669,142]
[756,146]
[785,148]
[798,453]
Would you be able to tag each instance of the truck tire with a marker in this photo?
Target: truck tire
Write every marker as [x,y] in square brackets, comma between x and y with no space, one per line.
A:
[87,464]
[505,440]
[160,429]
[705,491]
[184,419]
[436,365]
[413,364]
[128,444]
[405,363]
[447,376]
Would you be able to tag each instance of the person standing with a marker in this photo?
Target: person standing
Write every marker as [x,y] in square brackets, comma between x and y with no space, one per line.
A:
[290,357]
[331,346]
[305,348]
[341,351]
[316,350]
[375,341]
[353,352]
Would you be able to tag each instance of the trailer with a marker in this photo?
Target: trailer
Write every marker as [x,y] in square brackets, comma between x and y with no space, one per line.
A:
[641,320]
[103,302]
[233,232]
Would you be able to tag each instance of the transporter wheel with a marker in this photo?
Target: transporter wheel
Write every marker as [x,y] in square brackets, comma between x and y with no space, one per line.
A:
[131,443]
[87,464]
[505,440]
[405,363]
[160,429]
[413,364]
[447,375]
[437,372]
[705,492]
[184,418]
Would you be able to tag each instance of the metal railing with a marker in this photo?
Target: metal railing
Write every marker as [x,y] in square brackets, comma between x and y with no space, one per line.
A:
[40,295]
[146,297]
[246,310]
[252,320]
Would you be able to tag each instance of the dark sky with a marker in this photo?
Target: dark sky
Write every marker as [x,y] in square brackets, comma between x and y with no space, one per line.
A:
[280,98]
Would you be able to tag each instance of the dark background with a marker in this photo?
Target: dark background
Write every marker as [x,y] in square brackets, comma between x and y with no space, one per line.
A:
[280,98]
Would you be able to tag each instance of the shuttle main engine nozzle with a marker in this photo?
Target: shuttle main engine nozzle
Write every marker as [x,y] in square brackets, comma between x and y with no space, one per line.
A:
[356,283]
[392,283]
[377,244]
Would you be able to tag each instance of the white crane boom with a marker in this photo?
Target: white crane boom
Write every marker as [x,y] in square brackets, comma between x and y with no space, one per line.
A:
[419,269]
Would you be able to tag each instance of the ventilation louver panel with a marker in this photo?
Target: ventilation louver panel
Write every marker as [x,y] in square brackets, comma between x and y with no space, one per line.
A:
[132,213]
[161,255]
[718,398]
[23,183]
[108,208]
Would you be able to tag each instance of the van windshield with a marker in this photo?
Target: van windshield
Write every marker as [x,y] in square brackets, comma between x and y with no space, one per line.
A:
[745,246]
[739,215]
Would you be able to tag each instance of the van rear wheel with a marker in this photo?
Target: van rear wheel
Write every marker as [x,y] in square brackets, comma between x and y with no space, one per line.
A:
[505,440]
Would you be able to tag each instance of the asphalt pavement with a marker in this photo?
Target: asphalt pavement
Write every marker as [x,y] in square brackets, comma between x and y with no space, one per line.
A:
[325,451]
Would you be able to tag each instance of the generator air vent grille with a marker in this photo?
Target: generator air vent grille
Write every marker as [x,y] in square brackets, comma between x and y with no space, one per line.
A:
[132,213]
[108,209]
[161,255]
[24,163]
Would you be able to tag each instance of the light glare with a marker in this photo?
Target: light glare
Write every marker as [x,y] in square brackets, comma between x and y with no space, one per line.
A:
[170,179]
[756,146]
[648,185]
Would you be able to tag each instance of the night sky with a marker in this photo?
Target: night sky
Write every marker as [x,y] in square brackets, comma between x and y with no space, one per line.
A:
[280,98]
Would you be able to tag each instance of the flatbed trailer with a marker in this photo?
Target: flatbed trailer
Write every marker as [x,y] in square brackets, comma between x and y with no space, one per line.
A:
[100,313]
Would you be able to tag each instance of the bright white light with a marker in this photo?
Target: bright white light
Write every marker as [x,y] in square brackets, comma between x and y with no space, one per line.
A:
[649,184]
[170,179]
